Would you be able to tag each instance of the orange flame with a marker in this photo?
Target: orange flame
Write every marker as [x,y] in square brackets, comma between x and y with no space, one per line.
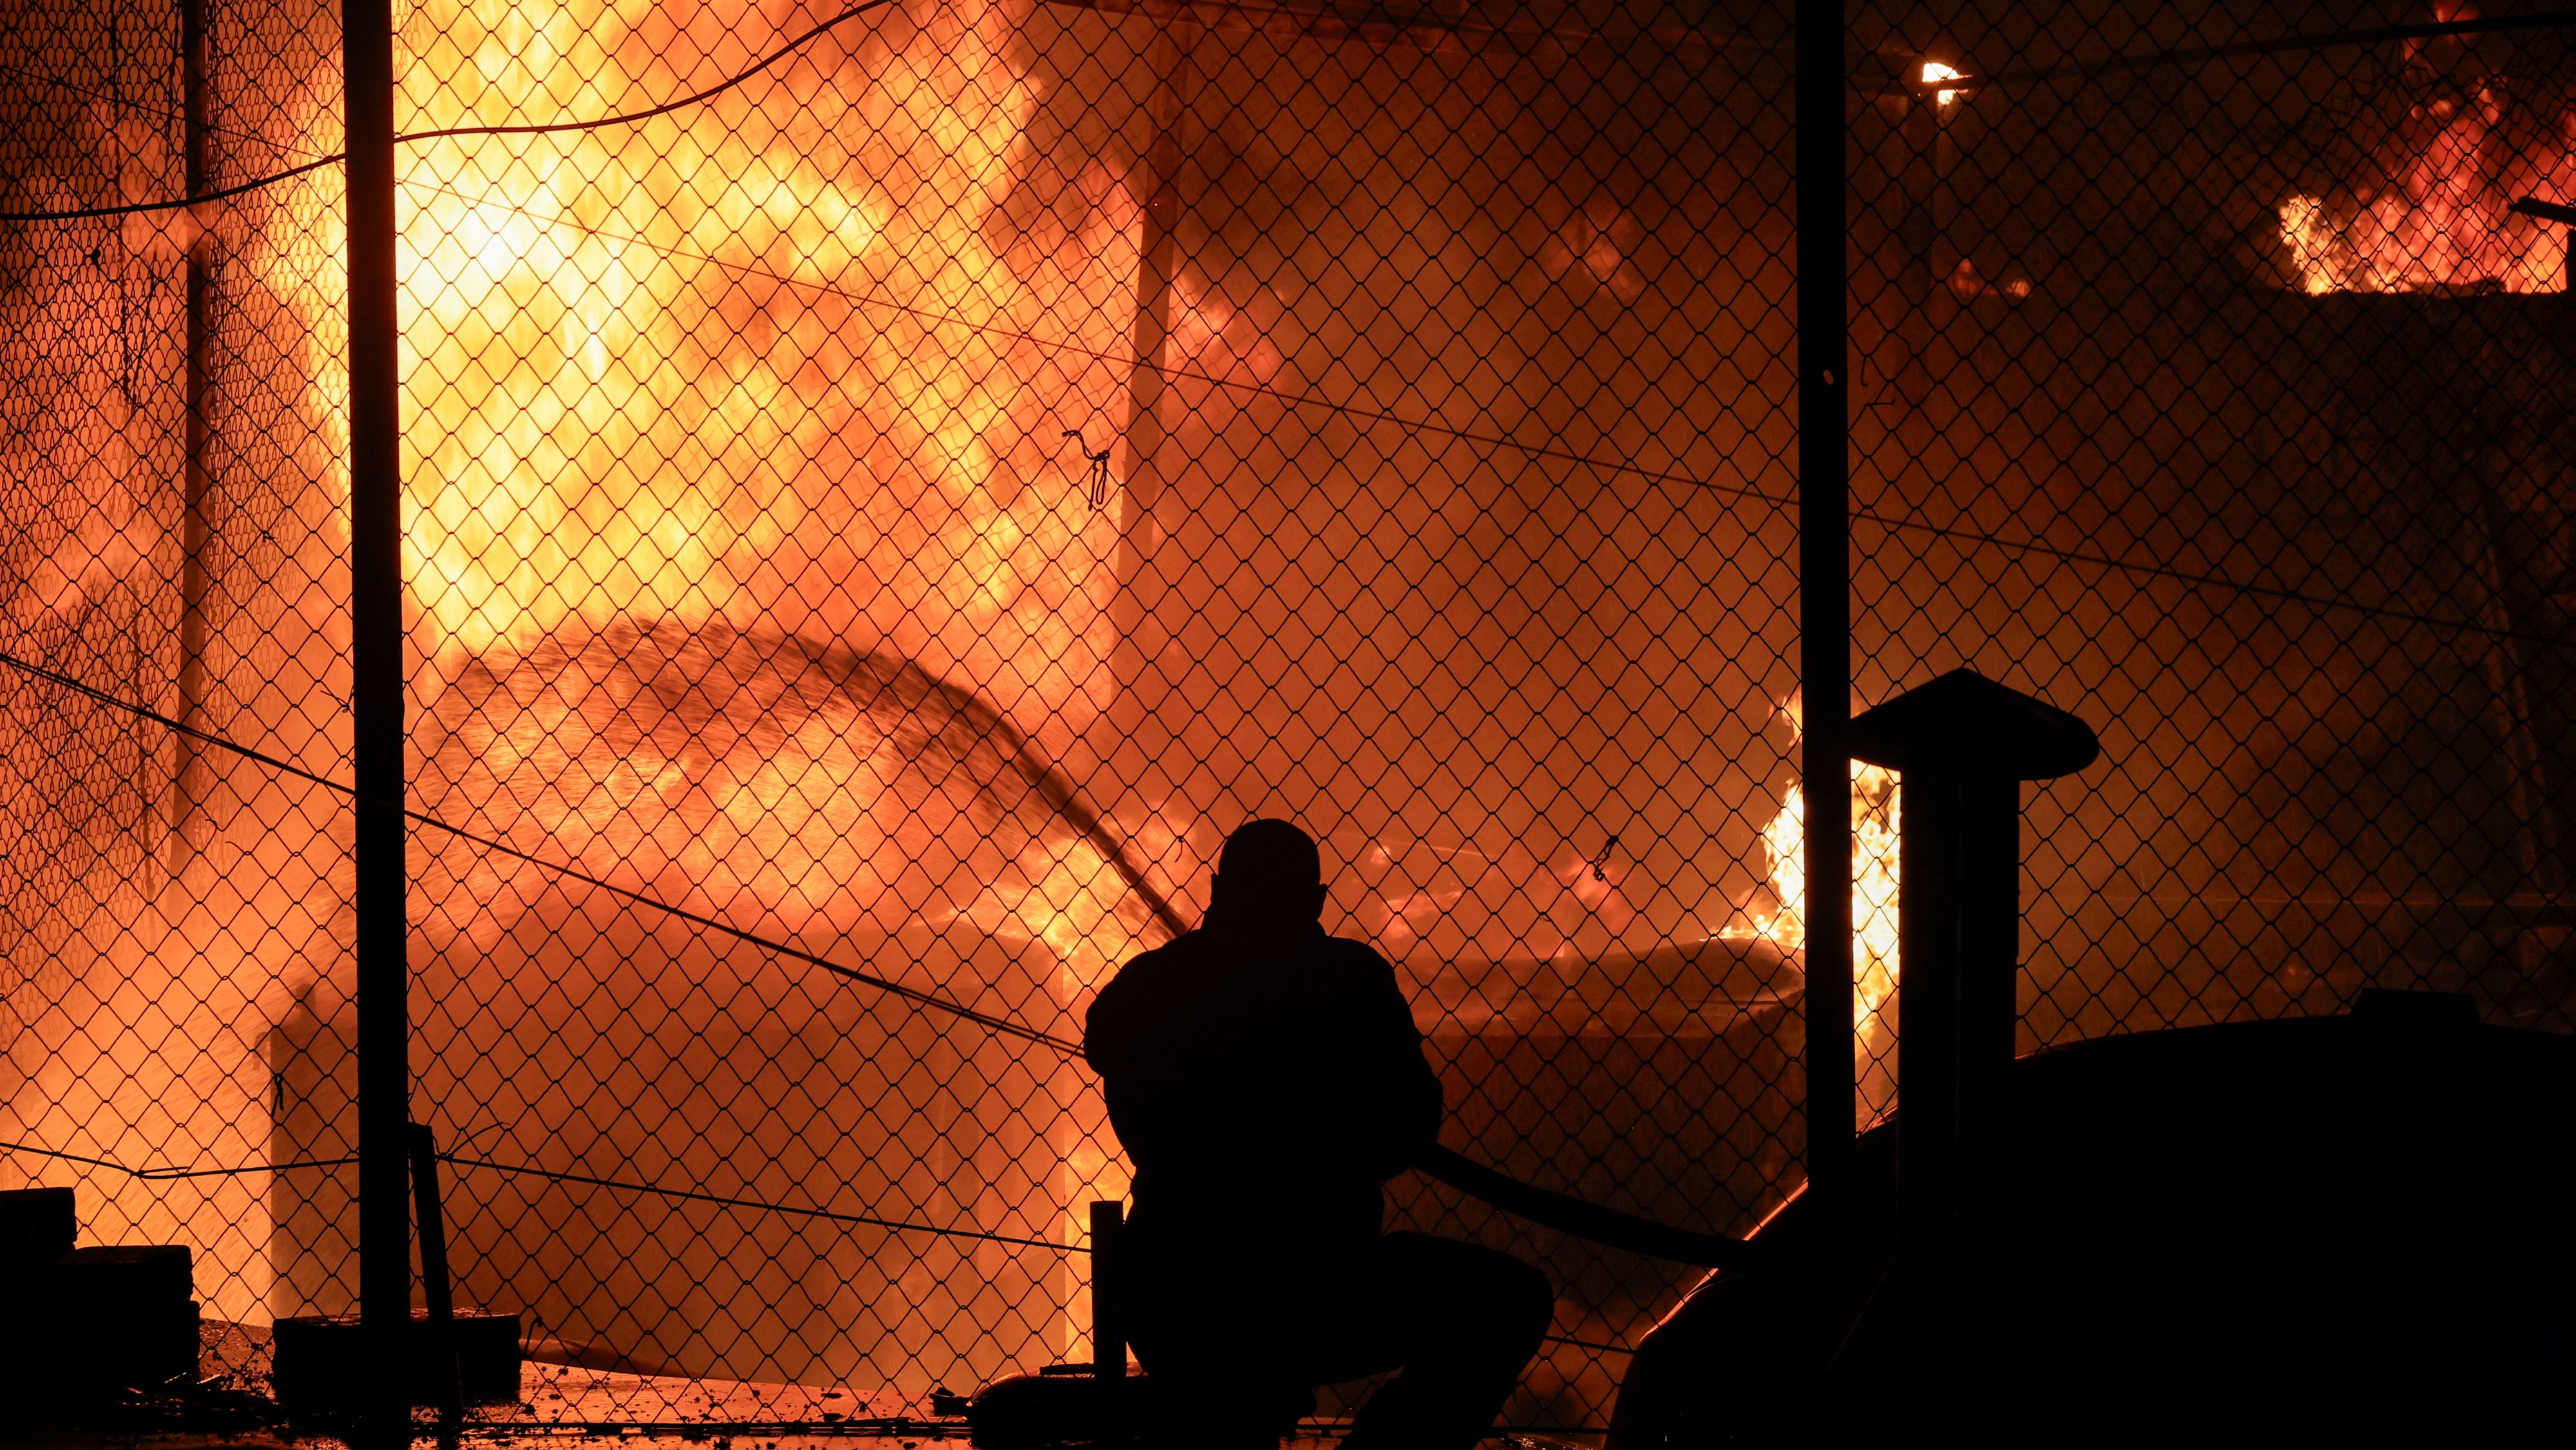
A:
[763,362]
[2439,221]
[1875,879]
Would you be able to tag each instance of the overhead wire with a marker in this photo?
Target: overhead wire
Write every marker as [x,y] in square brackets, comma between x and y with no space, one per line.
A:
[2102,66]
[1076,349]
[461,1160]
[2239,586]
[164,1175]
[2551,20]
[695,1196]
[1005,1026]
[1540,1205]
[626,118]
[629,118]
[140,207]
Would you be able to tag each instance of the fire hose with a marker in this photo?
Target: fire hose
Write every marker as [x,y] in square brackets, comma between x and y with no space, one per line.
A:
[1584,1219]
[1546,1207]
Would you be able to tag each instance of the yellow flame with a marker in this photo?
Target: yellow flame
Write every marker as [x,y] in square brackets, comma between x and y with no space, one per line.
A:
[1876,837]
[1874,884]
[758,361]
[1934,70]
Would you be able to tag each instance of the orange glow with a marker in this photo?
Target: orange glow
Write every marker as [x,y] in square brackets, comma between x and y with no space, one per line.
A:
[721,421]
[1934,70]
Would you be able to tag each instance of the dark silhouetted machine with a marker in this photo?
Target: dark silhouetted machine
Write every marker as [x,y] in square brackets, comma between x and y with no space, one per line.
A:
[2337,1226]
[2345,1226]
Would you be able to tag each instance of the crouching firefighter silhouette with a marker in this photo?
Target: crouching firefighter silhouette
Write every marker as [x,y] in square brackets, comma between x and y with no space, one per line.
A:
[1265,1079]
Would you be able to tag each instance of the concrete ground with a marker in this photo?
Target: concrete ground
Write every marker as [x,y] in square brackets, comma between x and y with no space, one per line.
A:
[566,1404]
[558,1404]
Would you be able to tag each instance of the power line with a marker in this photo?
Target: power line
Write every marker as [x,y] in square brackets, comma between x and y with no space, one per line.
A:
[139,207]
[1544,1206]
[540,129]
[932,1000]
[2185,576]
[1417,425]
[1294,399]
[950,319]
[630,117]
[2554,20]
[165,1175]
[694,1196]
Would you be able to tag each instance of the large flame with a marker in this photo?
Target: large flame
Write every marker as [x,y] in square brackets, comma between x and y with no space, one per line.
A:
[723,421]
[763,363]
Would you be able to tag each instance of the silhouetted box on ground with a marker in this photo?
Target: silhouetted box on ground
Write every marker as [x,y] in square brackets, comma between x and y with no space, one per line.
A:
[321,1366]
[79,1321]
[139,1274]
[35,1224]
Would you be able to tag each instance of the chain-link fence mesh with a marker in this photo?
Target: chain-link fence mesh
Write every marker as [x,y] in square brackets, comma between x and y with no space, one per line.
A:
[173,476]
[2210,389]
[886,489]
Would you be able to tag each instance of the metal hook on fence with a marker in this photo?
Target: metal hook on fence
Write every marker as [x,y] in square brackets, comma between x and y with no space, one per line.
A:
[1096,478]
[1601,868]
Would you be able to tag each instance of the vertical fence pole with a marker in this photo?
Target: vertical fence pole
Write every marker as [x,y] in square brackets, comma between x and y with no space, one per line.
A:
[187,808]
[1824,590]
[1108,1327]
[376,705]
[435,1290]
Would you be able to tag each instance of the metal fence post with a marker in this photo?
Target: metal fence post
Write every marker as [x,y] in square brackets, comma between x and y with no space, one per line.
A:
[1108,1328]
[1824,588]
[376,706]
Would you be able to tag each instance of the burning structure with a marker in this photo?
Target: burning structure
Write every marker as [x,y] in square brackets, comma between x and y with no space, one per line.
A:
[1430,376]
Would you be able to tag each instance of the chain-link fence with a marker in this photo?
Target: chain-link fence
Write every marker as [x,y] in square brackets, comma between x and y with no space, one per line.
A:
[885,489]
[2212,389]
[174,417]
